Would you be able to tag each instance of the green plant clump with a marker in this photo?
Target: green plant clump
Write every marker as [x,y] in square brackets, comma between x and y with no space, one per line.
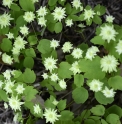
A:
[74,71]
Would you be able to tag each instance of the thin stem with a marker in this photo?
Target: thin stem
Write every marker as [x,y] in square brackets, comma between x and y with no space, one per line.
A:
[70,104]
[34,31]
[65,95]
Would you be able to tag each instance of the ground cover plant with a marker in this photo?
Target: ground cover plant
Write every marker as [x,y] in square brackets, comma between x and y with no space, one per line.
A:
[61,62]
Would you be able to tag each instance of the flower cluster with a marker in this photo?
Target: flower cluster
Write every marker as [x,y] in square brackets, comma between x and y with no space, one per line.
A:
[96,85]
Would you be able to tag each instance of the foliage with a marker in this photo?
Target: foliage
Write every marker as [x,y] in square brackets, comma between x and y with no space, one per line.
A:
[63,77]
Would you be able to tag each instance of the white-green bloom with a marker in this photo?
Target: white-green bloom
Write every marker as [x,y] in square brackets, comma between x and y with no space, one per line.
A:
[119,47]
[88,14]
[5,20]
[109,18]
[69,22]
[98,13]
[55,102]
[77,53]
[19,43]
[16,116]
[15,103]
[67,47]
[37,109]
[45,75]
[75,68]
[20,89]
[59,13]
[7,74]
[51,115]
[42,21]
[10,35]
[29,16]
[54,77]
[81,8]
[7,59]
[109,93]
[15,51]
[109,63]
[1,84]
[24,30]
[108,33]
[95,85]
[76,3]
[7,3]
[8,86]
[62,84]
[34,1]
[54,43]
[5,105]
[50,63]
[91,52]
[42,11]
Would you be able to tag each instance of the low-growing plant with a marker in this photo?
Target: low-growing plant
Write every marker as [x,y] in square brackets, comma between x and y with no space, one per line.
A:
[55,77]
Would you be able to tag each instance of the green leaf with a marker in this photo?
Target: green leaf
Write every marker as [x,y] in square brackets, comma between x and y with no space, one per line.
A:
[61,105]
[30,93]
[17,73]
[58,27]
[32,39]
[51,27]
[66,115]
[81,17]
[52,2]
[102,99]
[49,102]
[85,114]
[115,82]
[88,7]
[80,95]
[27,5]
[30,52]
[66,122]
[96,118]
[98,110]
[119,36]
[74,10]
[115,110]
[70,59]
[74,17]
[29,76]
[28,62]
[54,54]
[68,8]
[92,68]
[112,119]
[15,31]
[44,46]
[64,71]
[20,22]
[101,9]
[15,7]
[4,30]
[50,18]
[103,121]
[97,40]
[6,45]
[78,80]
[97,19]
[3,96]
[110,47]
[89,22]
[89,121]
